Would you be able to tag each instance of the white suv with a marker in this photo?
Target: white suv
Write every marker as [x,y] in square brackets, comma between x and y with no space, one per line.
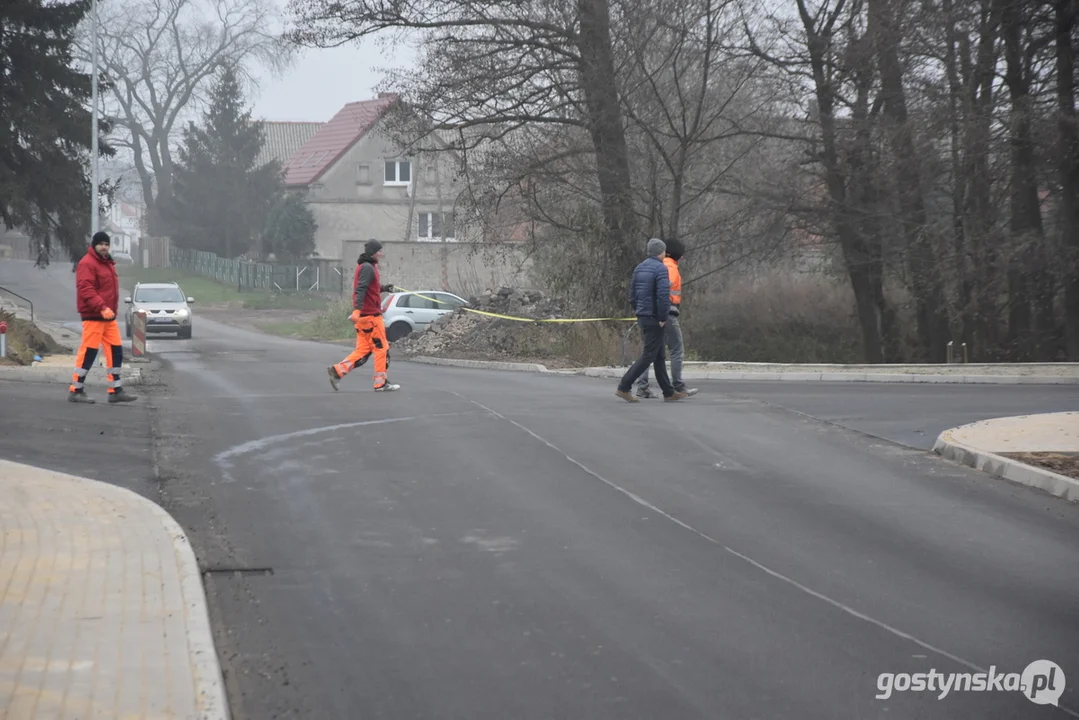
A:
[408,312]
[166,308]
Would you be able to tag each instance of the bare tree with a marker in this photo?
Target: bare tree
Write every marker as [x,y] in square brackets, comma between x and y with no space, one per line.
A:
[1064,14]
[502,66]
[687,99]
[159,58]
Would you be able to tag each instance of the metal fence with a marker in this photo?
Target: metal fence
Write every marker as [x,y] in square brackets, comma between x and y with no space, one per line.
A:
[316,276]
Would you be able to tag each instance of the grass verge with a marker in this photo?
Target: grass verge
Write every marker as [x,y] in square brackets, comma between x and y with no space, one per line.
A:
[211,293]
[24,340]
[330,324]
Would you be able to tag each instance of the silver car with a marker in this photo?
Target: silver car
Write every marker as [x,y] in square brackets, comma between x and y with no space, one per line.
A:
[408,312]
[166,308]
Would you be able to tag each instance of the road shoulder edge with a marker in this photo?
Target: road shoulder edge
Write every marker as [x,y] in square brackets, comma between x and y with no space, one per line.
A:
[789,376]
[480,364]
[999,466]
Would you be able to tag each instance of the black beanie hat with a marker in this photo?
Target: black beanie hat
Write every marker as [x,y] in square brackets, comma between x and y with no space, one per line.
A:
[675,249]
[371,247]
[100,237]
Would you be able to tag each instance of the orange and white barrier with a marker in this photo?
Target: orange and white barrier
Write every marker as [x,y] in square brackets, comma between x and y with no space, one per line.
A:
[138,334]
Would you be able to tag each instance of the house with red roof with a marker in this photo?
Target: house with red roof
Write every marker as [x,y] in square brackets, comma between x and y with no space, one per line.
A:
[359,184]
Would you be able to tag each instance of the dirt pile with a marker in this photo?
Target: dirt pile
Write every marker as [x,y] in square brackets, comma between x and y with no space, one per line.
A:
[473,336]
[24,340]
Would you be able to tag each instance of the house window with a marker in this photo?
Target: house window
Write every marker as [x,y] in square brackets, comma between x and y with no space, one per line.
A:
[398,172]
[432,227]
[431,175]
[363,174]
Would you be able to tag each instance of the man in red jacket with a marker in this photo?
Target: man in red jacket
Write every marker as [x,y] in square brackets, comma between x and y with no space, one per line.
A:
[367,289]
[98,297]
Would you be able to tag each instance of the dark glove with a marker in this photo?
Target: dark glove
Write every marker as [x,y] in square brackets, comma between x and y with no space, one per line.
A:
[389,288]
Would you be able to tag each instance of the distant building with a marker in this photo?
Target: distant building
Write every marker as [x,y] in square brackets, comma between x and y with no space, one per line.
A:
[359,186]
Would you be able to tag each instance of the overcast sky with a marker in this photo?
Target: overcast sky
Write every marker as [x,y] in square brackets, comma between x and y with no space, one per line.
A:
[320,82]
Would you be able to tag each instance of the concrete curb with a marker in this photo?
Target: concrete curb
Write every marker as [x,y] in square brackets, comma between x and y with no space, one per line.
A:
[786,376]
[481,364]
[209,679]
[62,375]
[897,377]
[1058,485]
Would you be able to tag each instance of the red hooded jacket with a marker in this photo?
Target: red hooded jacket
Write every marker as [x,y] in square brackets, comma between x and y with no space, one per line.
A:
[96,286]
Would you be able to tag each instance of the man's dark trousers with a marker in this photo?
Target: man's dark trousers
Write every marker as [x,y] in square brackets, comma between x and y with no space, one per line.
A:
[652,355]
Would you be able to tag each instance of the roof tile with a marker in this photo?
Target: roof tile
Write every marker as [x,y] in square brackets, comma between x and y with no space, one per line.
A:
[333,139]
[283,139]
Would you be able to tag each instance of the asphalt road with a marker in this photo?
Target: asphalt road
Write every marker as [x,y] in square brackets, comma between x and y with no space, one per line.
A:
[50,289]
[489,545]
[492,545]
[912,415]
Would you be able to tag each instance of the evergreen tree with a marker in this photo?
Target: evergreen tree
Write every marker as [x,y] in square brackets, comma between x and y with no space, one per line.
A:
[221,196]
[290,228]
[45,129]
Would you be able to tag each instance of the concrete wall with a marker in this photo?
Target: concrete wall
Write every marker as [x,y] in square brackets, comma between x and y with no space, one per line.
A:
[353,201]
[461,268]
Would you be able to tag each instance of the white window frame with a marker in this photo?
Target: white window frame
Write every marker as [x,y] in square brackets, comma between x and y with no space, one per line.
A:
[430,236]
[397,182]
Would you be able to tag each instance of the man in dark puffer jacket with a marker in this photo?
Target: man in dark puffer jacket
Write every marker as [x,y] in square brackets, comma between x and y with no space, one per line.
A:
[650,297]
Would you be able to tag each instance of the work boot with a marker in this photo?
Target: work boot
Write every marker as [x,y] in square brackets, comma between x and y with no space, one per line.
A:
[78,396]
[388,387]
[675,397]
[645,393]
[626,395]
[122,396]
[335,379]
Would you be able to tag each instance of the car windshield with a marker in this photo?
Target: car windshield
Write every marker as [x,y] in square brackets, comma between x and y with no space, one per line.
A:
[159,295]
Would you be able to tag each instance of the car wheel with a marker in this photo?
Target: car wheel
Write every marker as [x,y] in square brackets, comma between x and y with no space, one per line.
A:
[185,334]
[128,330]
[398,330]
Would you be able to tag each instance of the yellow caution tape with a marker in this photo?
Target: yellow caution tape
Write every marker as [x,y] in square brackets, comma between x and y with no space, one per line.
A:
[518,319]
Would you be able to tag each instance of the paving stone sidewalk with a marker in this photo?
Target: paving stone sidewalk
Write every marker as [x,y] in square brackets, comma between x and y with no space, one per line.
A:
[102,610]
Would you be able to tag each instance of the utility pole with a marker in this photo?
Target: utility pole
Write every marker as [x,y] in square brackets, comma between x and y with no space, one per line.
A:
[94,212]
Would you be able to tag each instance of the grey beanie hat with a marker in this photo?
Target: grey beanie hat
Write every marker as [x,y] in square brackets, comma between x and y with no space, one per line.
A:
[656,246]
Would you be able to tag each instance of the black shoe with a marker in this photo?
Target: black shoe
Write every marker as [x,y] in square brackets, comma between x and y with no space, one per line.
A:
[122,396]
[80,397]
[335,379]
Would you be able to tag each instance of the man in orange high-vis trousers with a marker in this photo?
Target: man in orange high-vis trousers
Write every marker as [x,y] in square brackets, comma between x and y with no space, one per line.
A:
[371,339]
[673,335]
[97,292]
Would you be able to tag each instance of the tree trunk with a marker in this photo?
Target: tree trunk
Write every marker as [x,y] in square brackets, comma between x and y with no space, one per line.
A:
[862,267]
[932,318]
[598,81]
[1065,12]
[963,259]
[980,211]
[1026,218]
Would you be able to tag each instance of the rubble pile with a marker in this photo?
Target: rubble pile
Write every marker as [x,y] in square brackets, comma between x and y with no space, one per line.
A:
[468,335]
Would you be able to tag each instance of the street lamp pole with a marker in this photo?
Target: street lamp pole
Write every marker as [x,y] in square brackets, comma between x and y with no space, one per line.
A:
[94,213]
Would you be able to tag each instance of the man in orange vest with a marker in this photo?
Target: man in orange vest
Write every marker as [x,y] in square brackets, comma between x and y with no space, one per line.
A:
[367,289]
[673,336]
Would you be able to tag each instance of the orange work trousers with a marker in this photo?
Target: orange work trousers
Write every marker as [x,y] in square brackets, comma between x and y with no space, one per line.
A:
[95,334]
[370,340]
